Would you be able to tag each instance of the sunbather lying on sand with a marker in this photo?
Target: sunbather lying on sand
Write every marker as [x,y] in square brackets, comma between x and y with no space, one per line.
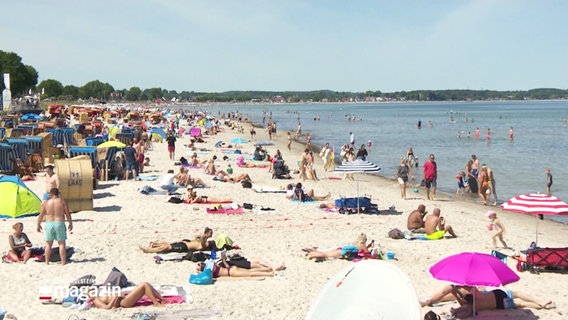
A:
[308,195]
[191,196]
[359,246]
[496,299]
[130,299]
[225,177]
[199,243]
[244,268]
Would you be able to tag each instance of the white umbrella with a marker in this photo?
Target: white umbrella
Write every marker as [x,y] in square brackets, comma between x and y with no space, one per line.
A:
[358,166]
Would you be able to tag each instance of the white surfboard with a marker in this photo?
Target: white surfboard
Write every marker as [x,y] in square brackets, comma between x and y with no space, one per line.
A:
[369,289]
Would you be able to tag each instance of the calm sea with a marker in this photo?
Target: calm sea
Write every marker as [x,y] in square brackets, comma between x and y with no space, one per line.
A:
[540,141]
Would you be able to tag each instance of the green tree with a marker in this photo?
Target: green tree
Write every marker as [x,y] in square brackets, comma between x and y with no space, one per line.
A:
[133,94]
[96,90]
[22,77]
[50,88]
[70,92]
[153,93]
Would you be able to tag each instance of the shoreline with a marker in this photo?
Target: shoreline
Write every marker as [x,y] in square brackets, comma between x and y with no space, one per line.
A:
[448,195]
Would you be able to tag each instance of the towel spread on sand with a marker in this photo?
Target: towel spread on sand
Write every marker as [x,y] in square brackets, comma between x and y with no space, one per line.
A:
[267,189]
[225,211]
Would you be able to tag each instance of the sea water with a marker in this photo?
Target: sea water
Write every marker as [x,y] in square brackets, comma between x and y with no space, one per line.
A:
[539,127]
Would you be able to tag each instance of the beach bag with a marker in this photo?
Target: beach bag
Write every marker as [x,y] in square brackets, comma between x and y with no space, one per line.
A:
[116,279]
[247,205]
[183,161]
[175,200]
[396,234]
[246,184]
[55,257]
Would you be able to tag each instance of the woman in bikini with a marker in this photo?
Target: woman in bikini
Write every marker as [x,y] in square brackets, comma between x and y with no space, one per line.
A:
[19,244]
[191,196]
[254,268]
[496,299]
[129,299]
[359,246]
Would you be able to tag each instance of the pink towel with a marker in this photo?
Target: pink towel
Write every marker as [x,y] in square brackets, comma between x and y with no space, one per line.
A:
[169,300]
[226,211]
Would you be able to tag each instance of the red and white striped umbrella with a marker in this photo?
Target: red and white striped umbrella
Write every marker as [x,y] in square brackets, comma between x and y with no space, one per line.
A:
[536,203]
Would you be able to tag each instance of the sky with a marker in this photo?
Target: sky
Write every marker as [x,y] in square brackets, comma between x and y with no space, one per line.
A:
[292,45]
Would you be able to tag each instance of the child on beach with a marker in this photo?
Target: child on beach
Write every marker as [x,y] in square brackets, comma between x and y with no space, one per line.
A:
[461,182]
[498,229]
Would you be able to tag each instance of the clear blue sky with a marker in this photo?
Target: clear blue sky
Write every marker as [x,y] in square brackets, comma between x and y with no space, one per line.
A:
[343,45]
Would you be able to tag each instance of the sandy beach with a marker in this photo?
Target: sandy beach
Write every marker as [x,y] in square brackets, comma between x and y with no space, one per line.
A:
[124,218]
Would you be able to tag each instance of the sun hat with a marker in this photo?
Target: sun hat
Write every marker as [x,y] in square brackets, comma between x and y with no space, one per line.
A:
[490,213]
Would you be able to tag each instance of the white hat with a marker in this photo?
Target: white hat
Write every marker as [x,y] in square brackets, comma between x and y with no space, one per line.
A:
[59,146]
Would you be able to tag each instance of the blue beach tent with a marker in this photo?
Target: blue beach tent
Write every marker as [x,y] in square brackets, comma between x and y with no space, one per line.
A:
[16,200]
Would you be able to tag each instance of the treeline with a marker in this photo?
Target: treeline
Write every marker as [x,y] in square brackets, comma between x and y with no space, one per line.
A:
[24,79]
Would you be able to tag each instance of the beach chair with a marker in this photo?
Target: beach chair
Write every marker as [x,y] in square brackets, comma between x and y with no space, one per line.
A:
[499,255]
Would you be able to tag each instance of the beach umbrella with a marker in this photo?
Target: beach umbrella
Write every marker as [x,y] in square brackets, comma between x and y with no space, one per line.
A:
[358,166]
[112,143]
[537,204]
[238,140]
[195,132]
[30,117]
[473,269]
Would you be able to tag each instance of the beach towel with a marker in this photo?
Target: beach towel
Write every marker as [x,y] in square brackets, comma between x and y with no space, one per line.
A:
[37,253]
[265,189]
[148,177]
[187,166]
[225,211]
[170,299]
[208,202]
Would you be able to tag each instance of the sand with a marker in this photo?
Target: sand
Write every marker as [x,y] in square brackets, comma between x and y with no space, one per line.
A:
[123,219]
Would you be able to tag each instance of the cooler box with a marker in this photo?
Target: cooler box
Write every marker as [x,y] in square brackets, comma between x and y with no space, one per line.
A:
[352,202]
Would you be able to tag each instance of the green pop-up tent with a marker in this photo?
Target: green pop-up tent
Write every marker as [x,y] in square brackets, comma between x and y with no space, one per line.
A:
[16,200]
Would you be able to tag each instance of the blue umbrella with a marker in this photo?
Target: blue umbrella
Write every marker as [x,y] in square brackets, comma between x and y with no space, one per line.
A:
[238,140]
[30,117]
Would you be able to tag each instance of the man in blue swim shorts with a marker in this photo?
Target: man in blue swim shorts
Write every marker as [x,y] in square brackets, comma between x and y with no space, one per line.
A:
[51,181]
[55,211]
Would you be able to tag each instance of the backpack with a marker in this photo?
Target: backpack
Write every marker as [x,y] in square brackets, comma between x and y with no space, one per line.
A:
[396,234]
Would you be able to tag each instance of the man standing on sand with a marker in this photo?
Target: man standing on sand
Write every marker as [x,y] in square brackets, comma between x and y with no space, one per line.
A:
[415,222]
[171,140]
[51,181]
[55,211]
[140,148]
[435,226]
[430,175]
[131,157]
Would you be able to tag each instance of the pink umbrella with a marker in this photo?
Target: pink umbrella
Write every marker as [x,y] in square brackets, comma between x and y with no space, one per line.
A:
[195,132]
[473,269]
[537,204]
